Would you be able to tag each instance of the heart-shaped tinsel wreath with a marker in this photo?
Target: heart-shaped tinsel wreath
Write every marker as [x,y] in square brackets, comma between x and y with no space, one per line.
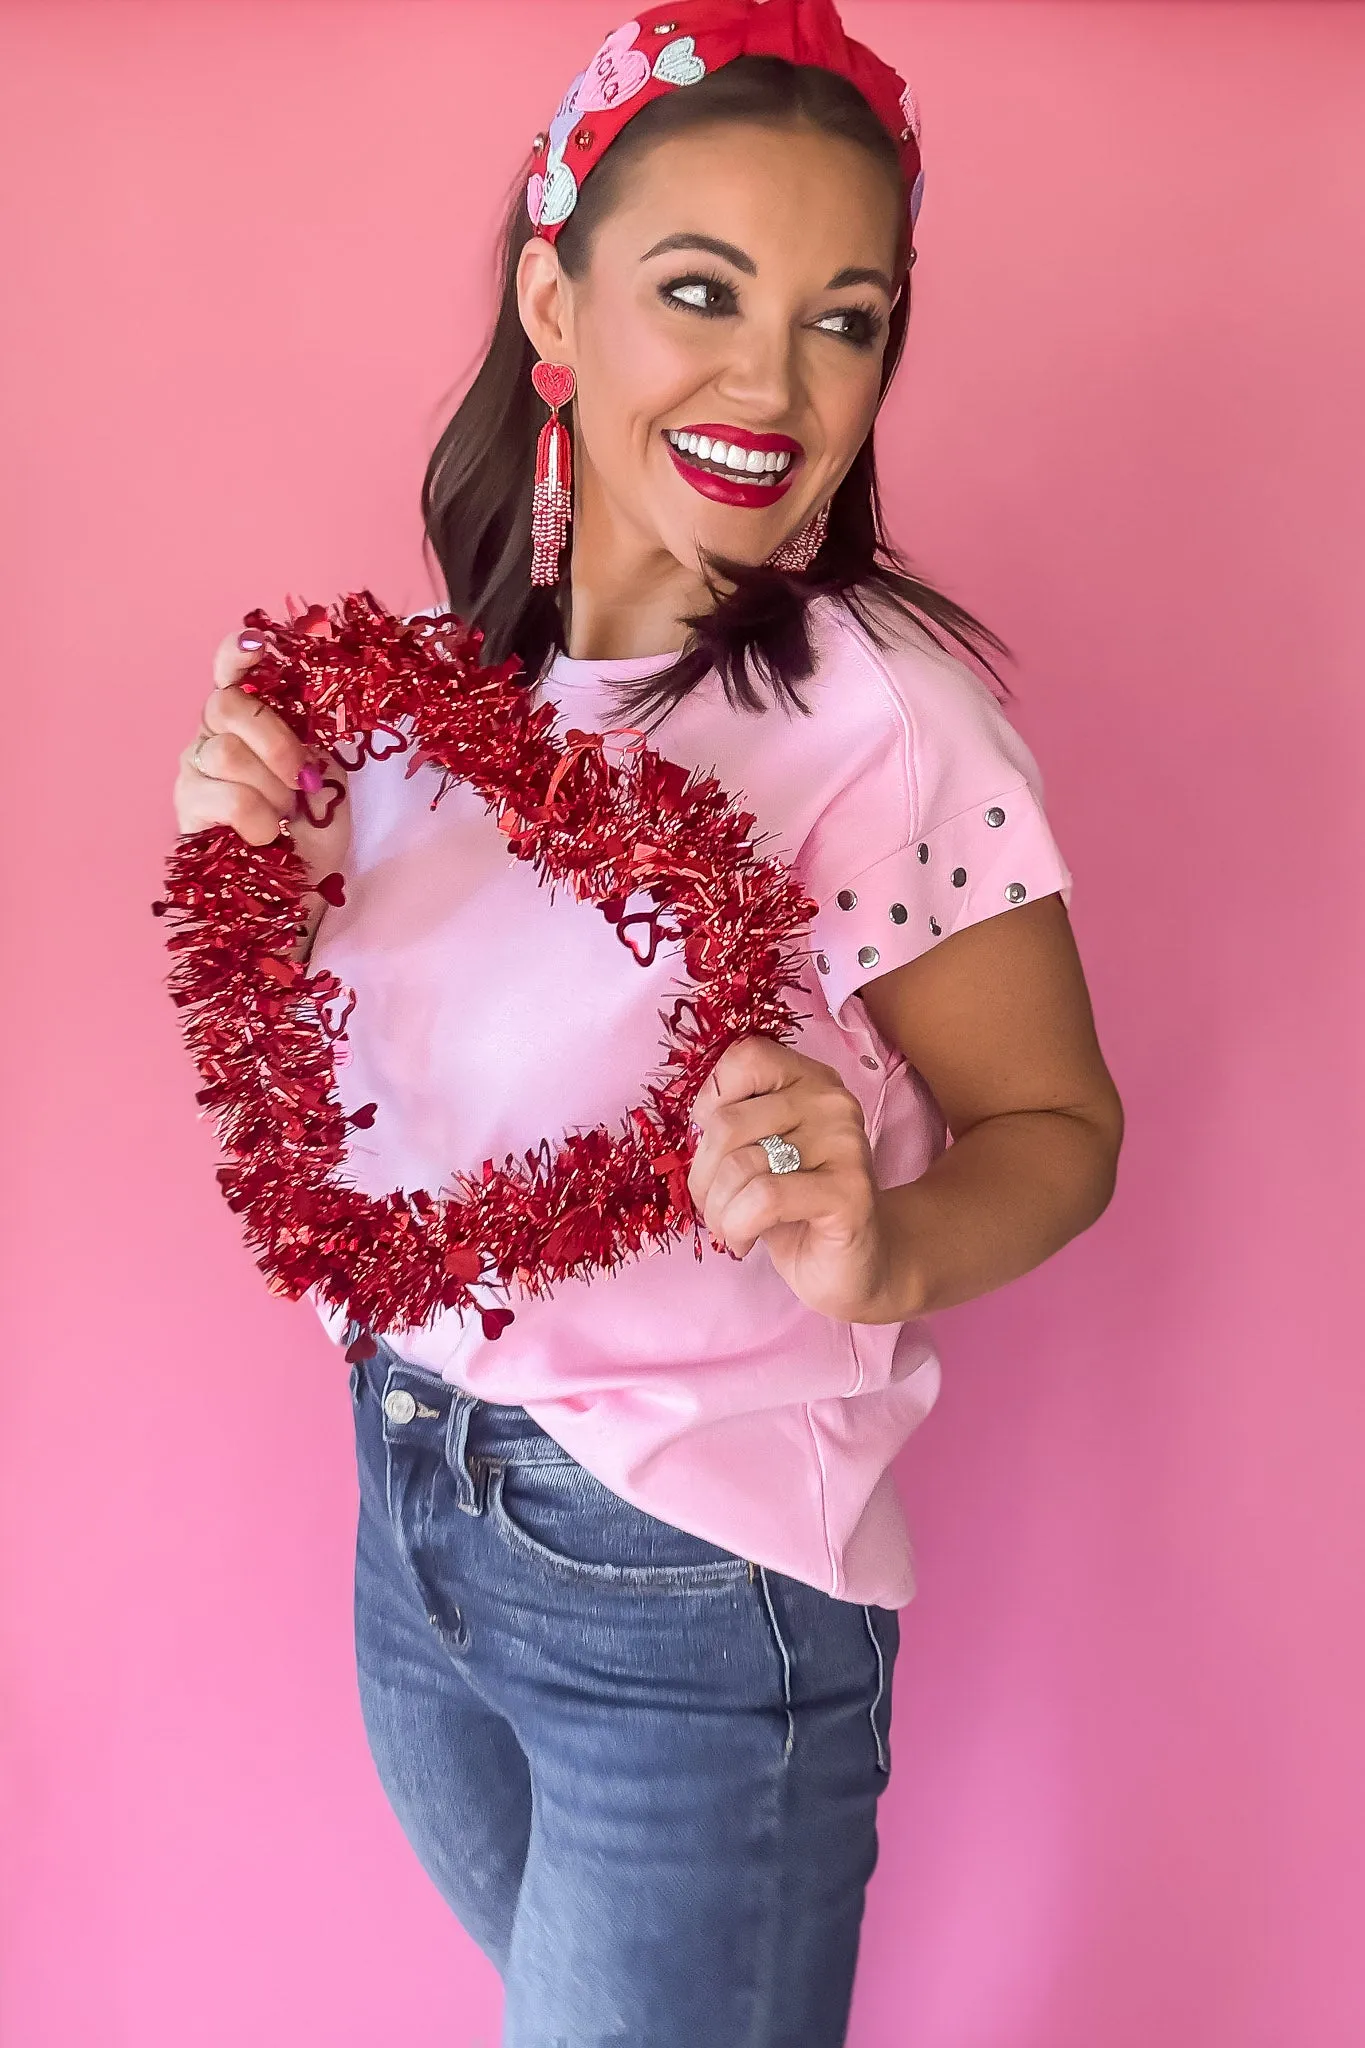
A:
[260,1026]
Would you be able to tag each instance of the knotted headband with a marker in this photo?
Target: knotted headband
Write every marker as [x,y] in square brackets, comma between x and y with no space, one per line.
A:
[671,48]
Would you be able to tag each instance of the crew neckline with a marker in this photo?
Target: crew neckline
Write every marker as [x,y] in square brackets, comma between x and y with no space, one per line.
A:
[573,672]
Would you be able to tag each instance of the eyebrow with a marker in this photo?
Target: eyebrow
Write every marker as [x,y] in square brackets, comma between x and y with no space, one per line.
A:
[852,274]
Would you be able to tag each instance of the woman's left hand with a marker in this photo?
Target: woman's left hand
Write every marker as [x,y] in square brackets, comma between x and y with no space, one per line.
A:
[822,1225]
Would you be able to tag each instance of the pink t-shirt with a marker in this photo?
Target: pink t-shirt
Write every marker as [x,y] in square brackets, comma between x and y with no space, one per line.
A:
[488,1017]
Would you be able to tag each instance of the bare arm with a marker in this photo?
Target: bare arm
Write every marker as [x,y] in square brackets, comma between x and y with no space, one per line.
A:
[998,1022]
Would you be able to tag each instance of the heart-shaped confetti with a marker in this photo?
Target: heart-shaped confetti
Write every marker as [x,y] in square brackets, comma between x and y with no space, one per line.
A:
[304,809]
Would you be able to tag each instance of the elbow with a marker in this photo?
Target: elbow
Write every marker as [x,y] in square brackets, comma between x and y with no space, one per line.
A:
[1106,1121]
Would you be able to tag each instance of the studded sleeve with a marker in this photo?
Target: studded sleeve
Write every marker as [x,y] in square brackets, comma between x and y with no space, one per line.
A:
[972,838]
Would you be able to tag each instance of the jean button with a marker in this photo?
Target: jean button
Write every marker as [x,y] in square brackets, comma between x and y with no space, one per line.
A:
[399,1405]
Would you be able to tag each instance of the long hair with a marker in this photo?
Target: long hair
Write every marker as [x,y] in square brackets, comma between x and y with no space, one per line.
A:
[476,494]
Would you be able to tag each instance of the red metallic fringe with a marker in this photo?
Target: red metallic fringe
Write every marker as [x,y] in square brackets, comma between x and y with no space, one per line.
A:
[259,1026]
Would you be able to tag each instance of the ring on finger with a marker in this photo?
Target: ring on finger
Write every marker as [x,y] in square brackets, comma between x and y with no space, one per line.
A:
[783,1156]
[197,751]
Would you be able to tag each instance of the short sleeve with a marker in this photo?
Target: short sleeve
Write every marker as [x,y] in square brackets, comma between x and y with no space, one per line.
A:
[971,838]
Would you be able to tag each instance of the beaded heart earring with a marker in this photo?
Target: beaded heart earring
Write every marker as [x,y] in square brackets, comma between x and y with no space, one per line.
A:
[552,498]
[799,551]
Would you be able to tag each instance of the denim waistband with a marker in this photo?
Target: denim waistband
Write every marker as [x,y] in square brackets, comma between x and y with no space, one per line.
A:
[421,1409]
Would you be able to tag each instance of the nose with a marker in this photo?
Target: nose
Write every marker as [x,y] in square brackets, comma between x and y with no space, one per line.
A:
[761,372]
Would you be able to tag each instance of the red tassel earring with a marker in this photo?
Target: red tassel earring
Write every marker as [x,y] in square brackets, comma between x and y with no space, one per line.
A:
[552,498]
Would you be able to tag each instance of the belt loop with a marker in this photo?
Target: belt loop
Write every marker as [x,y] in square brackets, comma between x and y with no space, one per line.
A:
[470,1475]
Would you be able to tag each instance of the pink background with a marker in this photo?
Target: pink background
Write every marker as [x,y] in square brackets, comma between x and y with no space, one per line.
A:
[247,263]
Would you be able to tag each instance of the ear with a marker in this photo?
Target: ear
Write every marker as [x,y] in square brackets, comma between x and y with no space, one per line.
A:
[542,302]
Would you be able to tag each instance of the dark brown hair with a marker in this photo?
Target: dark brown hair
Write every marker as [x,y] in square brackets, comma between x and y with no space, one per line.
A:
[476,494]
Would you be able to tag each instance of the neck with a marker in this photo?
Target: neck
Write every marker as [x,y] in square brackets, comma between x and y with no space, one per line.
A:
[629,594]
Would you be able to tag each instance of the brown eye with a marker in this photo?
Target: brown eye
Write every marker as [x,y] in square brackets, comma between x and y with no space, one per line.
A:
[856,324]
[709,296]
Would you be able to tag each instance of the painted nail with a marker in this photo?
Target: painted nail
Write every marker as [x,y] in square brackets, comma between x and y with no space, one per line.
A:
[250,643]
[310,778]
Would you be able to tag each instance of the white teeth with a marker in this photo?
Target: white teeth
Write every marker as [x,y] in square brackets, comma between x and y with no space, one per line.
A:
[764,465]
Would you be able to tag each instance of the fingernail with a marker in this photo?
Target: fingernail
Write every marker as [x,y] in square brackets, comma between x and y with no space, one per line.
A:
[250,643]
[310,778]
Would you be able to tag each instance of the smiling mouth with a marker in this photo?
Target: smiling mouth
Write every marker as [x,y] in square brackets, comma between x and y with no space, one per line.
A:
[743,462]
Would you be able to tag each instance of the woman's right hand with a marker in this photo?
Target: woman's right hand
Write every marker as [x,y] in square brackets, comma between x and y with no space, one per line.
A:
[248,772]
[248,777]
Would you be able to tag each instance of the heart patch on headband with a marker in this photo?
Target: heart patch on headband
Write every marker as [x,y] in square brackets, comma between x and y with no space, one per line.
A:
[616,73]
[679,63]
[551,199]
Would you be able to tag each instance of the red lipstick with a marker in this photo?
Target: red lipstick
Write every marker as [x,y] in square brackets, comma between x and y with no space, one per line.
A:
[728,485]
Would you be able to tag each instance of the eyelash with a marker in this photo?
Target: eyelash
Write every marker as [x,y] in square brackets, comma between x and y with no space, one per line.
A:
[866,328]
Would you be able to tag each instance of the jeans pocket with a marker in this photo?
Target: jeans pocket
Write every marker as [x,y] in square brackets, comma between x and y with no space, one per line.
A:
[561,1518]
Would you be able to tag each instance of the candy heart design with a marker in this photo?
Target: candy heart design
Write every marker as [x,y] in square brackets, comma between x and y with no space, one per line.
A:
[616,73]
[558,196]
[678,63]
[565,112]
[910,109]
[535,196]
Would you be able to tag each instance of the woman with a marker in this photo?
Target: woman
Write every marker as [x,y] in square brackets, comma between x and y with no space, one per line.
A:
[630,1560]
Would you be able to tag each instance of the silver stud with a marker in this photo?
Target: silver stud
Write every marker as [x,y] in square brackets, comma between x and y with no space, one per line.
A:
[936,928]
[868,956]
[822,962]
[898,913]
[865,1059]
[1015,893]
[923,852]
[664,28]
[959,878]
[399,1405]
[846,899]
[995,816]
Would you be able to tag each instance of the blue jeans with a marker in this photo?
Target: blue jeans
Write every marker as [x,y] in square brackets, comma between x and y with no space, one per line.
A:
[643,1772]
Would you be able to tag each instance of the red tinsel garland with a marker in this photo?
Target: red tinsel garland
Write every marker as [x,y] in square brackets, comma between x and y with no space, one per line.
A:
[260,1026]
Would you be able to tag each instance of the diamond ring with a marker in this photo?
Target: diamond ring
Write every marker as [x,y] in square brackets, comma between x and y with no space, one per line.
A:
[783,1156]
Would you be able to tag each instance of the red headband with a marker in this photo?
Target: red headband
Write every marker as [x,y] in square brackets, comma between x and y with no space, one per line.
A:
[670,48]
